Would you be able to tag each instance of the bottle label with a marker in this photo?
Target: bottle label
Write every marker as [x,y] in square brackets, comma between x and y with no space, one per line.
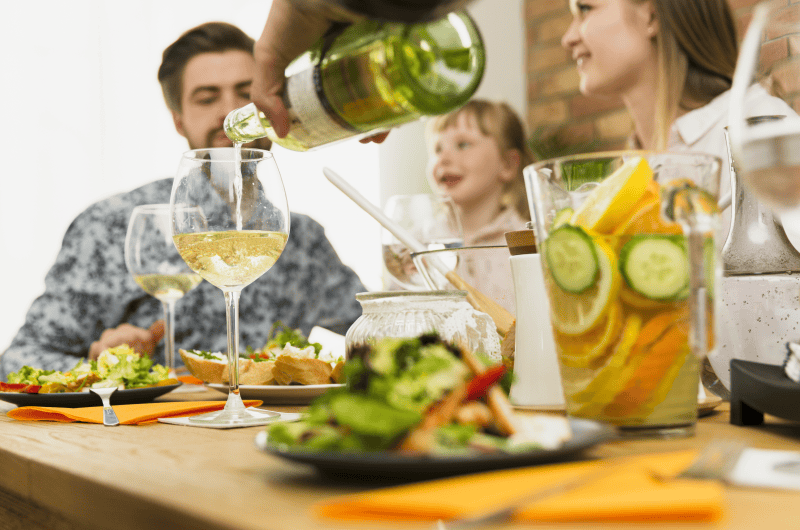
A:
[312,118]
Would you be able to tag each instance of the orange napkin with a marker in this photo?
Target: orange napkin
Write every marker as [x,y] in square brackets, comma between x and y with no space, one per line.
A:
[629,491]
[127,414]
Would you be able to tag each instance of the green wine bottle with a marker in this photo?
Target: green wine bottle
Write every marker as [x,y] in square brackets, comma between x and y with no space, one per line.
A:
[370,77]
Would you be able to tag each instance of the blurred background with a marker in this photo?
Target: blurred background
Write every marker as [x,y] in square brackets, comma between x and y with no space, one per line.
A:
[83,118]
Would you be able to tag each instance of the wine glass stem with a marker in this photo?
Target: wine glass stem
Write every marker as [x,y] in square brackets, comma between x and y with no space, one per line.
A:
[169,336]
[698,305]
[232,313]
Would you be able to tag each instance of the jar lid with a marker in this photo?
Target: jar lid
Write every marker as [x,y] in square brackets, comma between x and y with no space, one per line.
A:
[521,242]
[377,295]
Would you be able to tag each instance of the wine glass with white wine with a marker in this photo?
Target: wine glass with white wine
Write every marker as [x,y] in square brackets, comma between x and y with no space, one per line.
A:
[241,194]
[156,266]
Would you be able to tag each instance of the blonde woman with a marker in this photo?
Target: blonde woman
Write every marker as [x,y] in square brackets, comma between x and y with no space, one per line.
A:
[671,62]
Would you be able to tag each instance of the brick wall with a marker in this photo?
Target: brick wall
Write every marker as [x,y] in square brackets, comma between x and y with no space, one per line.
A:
[561,119]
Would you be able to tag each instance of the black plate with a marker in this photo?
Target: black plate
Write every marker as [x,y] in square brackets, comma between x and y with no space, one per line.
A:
[586,433]
[87,399]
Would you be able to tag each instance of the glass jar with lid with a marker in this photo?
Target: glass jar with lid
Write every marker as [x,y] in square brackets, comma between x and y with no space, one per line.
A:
[405,314]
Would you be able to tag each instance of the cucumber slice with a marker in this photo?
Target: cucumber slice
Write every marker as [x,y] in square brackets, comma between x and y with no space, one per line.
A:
[562,217]
[656,266]
[571,258]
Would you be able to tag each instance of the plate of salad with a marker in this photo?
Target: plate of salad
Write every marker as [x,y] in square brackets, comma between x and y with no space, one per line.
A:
[421,408]
[138,380]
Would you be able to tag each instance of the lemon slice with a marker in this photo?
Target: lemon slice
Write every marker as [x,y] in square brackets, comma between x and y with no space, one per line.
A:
[611,202]
[577,313]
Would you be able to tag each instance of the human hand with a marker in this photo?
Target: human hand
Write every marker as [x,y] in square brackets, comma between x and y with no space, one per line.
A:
[143,341]
[378,138]
[288,32]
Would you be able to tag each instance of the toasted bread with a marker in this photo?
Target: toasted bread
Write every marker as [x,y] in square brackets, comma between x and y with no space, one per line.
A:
[337,376]
[302,371]
[210,371]
[255,373]
[216,371]
[508,346]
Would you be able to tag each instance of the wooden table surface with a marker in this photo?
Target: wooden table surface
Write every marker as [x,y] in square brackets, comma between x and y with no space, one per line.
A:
[60,476]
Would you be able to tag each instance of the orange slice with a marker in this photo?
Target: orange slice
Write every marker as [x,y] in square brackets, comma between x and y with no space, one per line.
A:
[583,350]
[614,375]
[658,360]
[611,201]
[645,217]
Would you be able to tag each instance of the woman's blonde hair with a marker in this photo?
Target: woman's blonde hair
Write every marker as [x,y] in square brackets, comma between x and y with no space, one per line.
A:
[697,48]
[500,122]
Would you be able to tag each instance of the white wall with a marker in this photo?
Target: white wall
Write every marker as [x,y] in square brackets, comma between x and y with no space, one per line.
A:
[83,118]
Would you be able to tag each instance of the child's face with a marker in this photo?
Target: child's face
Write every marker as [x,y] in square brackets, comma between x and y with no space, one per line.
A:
[467,165]
[612,43]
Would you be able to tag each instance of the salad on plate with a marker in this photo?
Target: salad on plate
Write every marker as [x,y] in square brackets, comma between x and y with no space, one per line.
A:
[119,367]
[418,396]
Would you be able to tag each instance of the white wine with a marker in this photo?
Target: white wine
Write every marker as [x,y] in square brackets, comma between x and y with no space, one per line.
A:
[370,77]
[168,287]
[231,259]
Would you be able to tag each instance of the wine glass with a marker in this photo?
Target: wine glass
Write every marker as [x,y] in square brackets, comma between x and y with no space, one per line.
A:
[758,292]
[244,202]
[156,266]
[432,220]
[767,152]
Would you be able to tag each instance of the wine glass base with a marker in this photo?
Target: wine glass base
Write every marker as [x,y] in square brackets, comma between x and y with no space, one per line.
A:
[235,413]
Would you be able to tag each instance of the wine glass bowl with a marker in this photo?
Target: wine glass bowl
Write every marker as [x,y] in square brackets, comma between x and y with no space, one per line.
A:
[432,220]
[486,268]
[247,226]
[156,266]
[767,152]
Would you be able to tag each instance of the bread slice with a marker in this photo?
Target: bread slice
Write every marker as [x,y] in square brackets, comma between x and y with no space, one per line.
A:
[337,376]
[302,371]
[210,371]
[216,371]
[508,346]
[255,373]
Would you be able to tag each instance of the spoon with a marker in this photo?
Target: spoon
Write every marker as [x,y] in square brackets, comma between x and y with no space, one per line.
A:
[109,416]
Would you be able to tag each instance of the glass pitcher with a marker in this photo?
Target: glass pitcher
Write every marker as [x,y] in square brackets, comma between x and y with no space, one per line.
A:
[627,246]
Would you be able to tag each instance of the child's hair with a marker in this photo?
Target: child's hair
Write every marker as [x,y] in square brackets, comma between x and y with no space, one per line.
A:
[500,122]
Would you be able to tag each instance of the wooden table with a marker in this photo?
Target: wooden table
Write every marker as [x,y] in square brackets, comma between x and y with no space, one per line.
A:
[58,476]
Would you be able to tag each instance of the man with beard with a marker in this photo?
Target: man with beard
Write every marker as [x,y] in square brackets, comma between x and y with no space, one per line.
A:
[92,303]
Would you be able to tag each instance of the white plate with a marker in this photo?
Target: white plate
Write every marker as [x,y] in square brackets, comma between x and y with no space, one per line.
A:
[278,394]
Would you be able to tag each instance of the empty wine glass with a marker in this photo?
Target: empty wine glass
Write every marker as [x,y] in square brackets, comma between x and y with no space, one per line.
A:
[244,202]
[156,266]
[432,220]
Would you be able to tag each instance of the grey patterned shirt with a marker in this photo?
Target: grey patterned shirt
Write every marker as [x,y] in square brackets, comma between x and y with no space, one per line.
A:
[89,290]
